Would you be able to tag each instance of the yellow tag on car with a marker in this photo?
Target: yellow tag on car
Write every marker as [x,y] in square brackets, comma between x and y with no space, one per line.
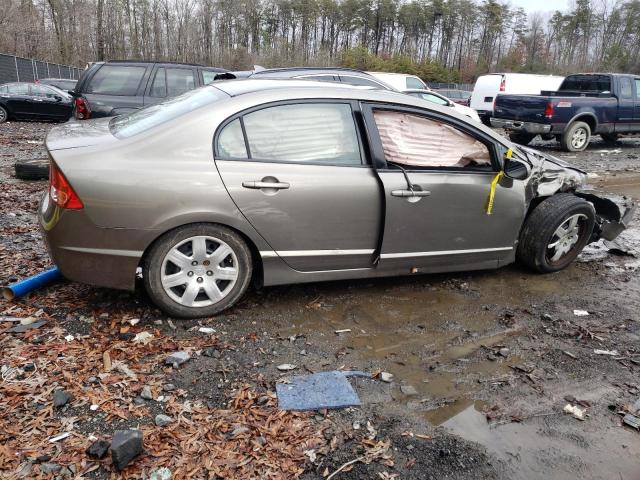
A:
[492,192]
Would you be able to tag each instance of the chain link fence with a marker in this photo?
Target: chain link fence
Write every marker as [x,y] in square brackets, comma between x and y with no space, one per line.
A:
[451,86]
[18,69]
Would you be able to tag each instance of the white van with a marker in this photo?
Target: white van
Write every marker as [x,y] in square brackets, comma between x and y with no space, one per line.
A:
[488,86]
[400,81]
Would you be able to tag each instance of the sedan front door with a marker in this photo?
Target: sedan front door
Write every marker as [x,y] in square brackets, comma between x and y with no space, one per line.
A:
[298,174]
[437,173]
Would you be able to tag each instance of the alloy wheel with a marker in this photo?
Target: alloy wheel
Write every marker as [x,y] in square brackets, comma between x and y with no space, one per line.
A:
[565,237]
[579,138]
[199,271]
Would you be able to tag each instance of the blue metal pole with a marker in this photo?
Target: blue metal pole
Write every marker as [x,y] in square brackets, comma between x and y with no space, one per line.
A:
[27,285]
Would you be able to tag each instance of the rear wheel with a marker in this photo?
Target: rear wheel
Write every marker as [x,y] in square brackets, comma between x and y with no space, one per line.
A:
[198,270]
[521,138]
[4,115]
[556,232]
[576,138]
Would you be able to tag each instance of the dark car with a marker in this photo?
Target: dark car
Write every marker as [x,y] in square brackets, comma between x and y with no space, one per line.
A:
[106,89]
[461,97]
[322,74]
[587,103]
[65,84]
[32,101]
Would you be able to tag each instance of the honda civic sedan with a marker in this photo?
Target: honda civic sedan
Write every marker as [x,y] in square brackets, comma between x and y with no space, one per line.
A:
[32,101]
[286,181]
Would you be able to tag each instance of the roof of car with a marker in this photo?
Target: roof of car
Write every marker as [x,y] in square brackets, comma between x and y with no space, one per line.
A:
[310,69]
[143,62]
[243,86]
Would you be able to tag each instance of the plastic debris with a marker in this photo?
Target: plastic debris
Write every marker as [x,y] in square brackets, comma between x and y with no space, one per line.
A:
[386,377]
[143,337]
[285,367]
[57,438]
[69,338]
[613,353]
[207,330]
[575,411]
[162,473]
[24,328]
[344,330]
[316,392]
[177,358]
[580,313]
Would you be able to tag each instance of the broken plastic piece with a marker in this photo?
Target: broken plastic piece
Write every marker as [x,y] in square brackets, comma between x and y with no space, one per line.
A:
[316,392]
[576,412]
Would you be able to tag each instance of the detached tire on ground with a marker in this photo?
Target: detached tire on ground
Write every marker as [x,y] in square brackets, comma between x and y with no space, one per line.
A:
[33,169]
[556,232]
[577,137]
[197,270]
[521,138]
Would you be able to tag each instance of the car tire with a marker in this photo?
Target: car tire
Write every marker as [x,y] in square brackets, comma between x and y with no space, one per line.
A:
[610,137]
[549,241]
[576,137]
[32,169]
[4,114]
[521,138]
[191,287]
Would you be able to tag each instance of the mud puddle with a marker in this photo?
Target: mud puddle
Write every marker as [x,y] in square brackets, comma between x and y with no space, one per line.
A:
[627,184]
[551,445]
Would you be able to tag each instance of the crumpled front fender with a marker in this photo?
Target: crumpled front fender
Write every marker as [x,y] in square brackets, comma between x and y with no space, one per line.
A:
[613,213]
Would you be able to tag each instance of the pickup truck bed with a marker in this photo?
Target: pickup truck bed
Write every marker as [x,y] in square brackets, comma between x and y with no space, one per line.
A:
[585,104]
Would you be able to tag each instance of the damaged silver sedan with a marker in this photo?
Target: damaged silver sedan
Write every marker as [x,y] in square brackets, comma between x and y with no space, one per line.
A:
[291,181]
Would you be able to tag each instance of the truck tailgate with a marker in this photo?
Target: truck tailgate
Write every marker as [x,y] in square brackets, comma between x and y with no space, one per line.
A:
[528,108]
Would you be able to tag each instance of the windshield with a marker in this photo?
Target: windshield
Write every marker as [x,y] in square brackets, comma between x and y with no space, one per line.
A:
[124,126]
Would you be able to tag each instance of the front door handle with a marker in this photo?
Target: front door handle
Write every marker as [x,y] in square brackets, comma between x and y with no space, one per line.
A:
[410,193]
[259,185]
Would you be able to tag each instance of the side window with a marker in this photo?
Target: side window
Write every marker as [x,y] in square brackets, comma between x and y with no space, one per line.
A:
[417,141]
[208,77]
[231,142]
[307,132]
[359,81]
[320,78]
[116,80]
[4,89]
[414,82]
[179,81]
[434,98]
[42,91]
[19,88]
[626,88]
[638,88]
[159,85]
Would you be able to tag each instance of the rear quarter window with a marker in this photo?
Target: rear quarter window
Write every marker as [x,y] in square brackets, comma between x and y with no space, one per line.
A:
[116,80]
[413,82]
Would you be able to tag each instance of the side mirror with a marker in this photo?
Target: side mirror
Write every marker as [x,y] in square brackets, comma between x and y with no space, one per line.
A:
[515,169]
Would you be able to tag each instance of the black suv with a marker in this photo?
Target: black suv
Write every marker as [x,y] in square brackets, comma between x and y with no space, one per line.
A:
[106,89]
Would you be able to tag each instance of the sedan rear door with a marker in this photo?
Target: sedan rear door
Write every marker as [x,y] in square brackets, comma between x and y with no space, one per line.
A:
[18,99]
[437,173]
[298,173]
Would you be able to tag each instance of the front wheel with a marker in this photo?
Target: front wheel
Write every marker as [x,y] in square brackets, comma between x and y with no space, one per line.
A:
[4,115]
[198,270]
[521,138]
[555,233]
[576,138]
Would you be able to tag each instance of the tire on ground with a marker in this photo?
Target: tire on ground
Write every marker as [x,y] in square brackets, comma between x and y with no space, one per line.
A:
[521,138]
[32,169]
[541,225]
[567,137]
[152,266]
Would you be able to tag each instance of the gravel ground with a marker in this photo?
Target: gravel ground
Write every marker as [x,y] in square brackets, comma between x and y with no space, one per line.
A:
[483,364]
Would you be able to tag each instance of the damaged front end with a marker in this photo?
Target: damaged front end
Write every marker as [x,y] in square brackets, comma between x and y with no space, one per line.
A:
[550,175]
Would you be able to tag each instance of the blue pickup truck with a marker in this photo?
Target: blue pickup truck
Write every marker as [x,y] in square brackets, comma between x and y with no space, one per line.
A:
[585,104]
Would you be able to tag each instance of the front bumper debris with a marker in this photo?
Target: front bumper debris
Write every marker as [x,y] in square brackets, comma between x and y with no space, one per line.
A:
[613,213]
[517,126]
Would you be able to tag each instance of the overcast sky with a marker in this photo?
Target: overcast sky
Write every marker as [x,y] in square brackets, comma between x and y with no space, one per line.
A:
[542,5]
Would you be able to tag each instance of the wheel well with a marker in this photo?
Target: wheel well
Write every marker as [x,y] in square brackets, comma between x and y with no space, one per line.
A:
[589,120]
[257,275]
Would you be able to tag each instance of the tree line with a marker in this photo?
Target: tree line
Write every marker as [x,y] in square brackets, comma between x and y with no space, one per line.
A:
[440,40]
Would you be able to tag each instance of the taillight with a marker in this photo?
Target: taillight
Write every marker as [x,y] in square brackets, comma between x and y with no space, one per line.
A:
[82,109]
[503,84]
[60,190]
[549,111]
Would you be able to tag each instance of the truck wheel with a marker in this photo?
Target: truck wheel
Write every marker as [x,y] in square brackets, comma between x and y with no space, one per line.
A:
[197,270]
[556,232]
[521,138]
[610,137]
[576,138]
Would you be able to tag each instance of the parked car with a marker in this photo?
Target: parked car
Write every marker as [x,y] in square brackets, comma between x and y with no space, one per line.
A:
[462,97]
[487,87]
[322,74]
[587,103]
[438,99]
[64,84]
[400,81]
[31,101]
[106,89]
[286,181]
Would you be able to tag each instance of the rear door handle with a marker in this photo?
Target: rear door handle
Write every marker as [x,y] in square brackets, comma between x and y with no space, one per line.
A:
[410,193]
[259,185]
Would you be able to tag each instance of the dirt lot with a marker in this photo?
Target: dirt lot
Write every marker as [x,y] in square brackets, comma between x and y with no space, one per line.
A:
[483,364]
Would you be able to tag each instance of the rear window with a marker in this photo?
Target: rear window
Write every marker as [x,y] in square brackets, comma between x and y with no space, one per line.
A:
[125,126]
[116,80]
[587,83]
[414,82]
